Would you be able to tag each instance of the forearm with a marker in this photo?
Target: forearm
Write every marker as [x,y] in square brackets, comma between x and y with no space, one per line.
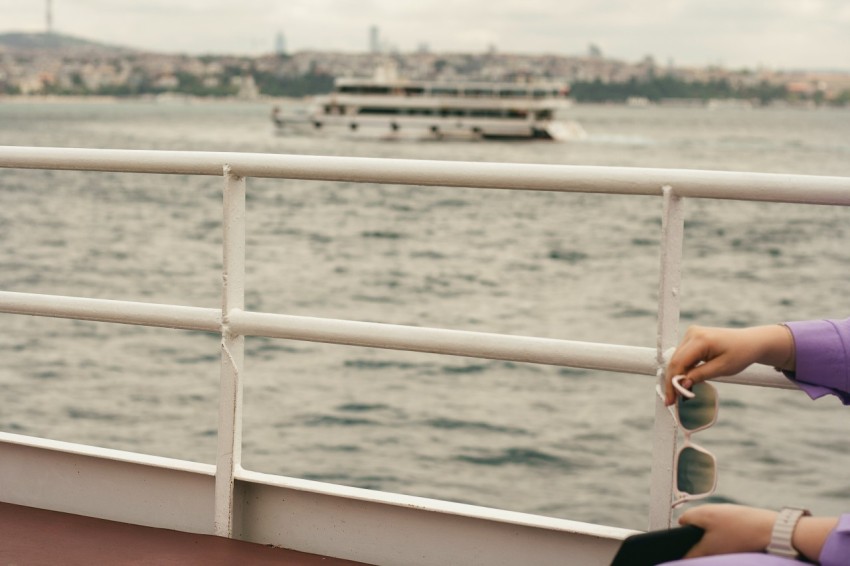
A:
[773,344]
[731,529]
[811,534]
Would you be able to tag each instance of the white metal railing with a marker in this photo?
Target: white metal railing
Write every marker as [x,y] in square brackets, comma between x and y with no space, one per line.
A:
[234,323]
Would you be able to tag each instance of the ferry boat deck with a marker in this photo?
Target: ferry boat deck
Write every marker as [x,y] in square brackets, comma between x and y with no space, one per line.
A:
[38,536]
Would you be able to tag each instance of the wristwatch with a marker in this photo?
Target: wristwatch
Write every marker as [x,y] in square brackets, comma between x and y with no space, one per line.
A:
[783,530]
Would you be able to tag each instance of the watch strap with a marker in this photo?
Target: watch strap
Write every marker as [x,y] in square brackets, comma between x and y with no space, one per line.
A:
[783,531]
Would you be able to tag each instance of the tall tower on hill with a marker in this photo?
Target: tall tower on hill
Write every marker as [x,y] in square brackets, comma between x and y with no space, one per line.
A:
[280,43]
[49,16]
[374,40]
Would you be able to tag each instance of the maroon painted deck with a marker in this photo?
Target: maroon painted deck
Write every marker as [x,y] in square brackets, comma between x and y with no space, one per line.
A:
[30,537]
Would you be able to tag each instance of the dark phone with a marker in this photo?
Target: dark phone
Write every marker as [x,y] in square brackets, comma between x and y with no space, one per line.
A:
[655,547]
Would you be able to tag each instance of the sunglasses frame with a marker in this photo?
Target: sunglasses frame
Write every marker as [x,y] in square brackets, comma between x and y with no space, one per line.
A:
[681,497]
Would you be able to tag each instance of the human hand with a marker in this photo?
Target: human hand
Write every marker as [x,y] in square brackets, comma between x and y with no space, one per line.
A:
[705,353]
[729,529]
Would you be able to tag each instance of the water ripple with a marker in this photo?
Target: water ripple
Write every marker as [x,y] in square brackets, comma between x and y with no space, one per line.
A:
[517,457]
[457,424]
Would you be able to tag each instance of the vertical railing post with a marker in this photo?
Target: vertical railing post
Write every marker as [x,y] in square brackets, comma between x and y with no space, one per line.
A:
[664,431]
[229,454]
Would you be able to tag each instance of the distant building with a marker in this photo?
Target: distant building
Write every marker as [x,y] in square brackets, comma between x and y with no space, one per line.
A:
[167,82]
[247,87]
[374,40]
[280,43]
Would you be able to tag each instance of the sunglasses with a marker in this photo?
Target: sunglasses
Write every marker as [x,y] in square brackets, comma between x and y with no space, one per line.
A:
[695,468]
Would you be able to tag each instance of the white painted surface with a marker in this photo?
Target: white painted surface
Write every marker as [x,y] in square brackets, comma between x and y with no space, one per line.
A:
[416,535]
[107,484]
[229,452]
[664,427]
[345,522]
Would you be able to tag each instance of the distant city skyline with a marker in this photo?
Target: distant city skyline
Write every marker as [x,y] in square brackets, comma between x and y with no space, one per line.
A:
[777,34]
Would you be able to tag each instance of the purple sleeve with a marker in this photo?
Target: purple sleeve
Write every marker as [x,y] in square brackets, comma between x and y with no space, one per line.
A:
[823,357]
[749,559]
[836,549]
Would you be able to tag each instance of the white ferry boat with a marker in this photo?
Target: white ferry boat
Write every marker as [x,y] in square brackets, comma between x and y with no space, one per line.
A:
[397,108]
[67,503]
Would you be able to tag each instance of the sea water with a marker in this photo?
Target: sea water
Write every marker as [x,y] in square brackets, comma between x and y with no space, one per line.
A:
[547,440]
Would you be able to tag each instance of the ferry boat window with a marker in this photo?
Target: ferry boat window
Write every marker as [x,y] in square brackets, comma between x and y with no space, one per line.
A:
[486,113]
[543,115]
[540,93]
[452,112]
[414,90]
[517,113]
[478,92]
[444,91]
[513,93]
[364,89]
[380,110]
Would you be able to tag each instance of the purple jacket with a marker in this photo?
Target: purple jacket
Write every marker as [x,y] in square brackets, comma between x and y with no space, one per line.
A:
[823,357]
[823,368]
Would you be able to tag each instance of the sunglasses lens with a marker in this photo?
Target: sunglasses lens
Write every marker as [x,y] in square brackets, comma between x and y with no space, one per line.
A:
[695,472]
[698,412]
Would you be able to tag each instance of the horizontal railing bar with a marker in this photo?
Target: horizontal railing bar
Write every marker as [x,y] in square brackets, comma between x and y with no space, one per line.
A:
[549,351]
[106,310]
[610,357]
[759,375]
[564,178]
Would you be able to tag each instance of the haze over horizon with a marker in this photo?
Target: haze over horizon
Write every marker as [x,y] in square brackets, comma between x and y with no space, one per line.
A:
[777,34]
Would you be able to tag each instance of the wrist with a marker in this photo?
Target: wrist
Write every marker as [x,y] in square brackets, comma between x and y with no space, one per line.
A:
[774,346]
[811,535]
[782,534]
[767,519]
[789,349]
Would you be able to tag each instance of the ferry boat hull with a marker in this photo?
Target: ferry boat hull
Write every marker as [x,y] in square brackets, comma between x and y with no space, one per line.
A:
[419,130]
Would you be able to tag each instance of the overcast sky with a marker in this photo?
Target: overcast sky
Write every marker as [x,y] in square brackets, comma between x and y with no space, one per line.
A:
[789,34]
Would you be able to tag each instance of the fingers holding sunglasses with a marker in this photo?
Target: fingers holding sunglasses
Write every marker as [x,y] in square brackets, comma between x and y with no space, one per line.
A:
[705,353]
[694,349]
